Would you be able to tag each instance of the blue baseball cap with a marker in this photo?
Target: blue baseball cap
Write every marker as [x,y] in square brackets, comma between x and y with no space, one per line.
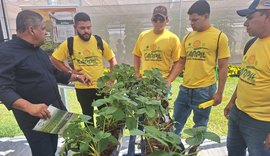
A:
[255,5]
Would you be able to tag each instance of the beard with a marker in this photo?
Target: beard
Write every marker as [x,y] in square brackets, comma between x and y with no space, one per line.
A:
[85,36]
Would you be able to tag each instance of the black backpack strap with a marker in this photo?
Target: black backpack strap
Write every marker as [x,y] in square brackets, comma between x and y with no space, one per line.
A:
[186,38]
[216,66]
[218,45]
[249,43]
[70,46]
[99,43]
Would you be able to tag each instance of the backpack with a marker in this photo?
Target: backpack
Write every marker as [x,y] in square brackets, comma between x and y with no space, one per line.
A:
[70,41]
[249,43]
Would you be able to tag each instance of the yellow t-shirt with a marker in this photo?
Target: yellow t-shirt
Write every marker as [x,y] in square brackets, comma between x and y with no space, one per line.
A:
[253,91]
[86,57]
[157,51]
[199,48]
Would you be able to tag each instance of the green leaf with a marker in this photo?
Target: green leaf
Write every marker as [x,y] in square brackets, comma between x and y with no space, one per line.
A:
[150,112]
[200,128]
[195,140]
[136,132]
[102,145]
[173,138]
[84,147]
[195,131]
[190,131]
[111,110]
[101,135]
[141,111]
[151,129]
[113,140]
[132,103]
[212,136]
[100,102]
[85,118]
[131,123]
[118,115]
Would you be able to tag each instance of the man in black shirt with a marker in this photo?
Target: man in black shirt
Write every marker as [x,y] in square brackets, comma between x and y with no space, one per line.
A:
[28,81]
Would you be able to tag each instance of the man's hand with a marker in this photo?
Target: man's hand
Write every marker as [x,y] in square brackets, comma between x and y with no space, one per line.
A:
[83,79]
[267,142]
[39,110]
[227,109]
[217,99]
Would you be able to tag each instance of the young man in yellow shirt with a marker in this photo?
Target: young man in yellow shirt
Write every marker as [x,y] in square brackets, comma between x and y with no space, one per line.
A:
[87,59]
[249,108]
[157,47]
[201,50]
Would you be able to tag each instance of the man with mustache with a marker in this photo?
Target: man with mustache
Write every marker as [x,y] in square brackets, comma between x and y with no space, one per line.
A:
[249,107]
[87,60]
[28,81]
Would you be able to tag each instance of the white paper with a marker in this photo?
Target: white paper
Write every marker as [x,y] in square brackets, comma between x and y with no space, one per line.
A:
[57,123]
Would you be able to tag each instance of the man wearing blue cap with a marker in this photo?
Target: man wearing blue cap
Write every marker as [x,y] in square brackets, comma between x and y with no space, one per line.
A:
[249,108]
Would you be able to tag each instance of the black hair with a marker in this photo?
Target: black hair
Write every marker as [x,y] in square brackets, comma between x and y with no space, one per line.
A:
[81,16]
[27,18]
[200,7]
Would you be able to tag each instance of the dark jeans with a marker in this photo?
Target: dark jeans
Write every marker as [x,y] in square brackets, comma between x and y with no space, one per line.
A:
[41,144]
[244,133]
[86,97]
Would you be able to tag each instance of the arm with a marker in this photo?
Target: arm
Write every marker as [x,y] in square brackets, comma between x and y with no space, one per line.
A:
[112,63]
[222,77]
[177,68]
[267,142]
[75,75]
[137,64]
[62,67]
[37,110]
[230,104]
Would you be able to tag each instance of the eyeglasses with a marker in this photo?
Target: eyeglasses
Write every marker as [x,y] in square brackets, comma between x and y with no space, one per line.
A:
[159,18]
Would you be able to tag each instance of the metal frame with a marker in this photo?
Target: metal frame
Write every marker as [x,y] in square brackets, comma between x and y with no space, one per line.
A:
[3,22]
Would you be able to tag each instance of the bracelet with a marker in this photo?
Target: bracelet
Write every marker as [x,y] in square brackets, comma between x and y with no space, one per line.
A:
[70,71]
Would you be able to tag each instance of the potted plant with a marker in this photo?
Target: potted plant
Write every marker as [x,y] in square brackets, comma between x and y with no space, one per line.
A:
[130,102]
[84,139]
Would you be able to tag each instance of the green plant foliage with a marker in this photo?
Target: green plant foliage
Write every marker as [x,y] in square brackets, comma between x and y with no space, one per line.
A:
[49,46]
[127,100]
[86,139]
[133,96]
[198,134]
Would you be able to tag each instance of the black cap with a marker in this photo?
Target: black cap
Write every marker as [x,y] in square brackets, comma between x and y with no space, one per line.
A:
[255,5]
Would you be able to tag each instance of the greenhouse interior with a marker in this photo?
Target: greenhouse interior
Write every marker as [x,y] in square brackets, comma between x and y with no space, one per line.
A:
[123,20]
